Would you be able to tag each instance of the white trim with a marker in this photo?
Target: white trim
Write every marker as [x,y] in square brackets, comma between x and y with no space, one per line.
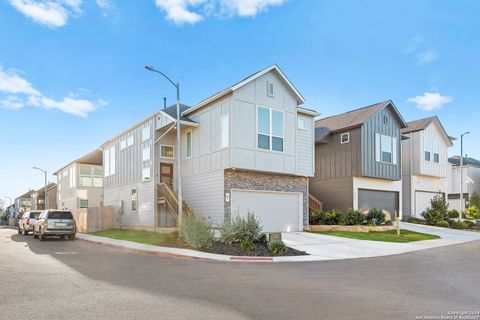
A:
[187,123]
[186,144]
[270,135]
[348,138]
[307,112]
[167,145]
[304,123]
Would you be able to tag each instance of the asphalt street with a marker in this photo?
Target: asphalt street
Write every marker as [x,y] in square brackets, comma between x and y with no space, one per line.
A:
[59,279]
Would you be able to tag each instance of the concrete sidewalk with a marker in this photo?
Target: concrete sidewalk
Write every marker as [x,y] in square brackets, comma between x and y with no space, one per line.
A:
[319,247]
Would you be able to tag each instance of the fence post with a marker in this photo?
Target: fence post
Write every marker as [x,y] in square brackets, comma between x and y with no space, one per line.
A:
[397,219]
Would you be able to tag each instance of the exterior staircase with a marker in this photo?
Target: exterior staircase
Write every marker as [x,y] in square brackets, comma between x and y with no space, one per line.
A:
[169,198]
[314,204]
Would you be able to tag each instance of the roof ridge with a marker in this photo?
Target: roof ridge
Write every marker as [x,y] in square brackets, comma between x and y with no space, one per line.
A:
[354,110]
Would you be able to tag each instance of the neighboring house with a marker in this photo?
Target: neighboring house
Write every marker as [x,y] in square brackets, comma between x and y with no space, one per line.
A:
[23,203]
[38,197]
[248,148]
[52,196]
[471,180]
[424,164]
[80,183]
[358,159]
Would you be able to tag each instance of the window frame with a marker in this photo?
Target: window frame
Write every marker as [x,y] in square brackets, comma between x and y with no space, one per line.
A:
[304,120]
[187,155]
[146,129]
[271,135]
[347,134]
[224,130]
[80,203]
[436,157]
[379,151]
[425,153]
[272,92]
[134,201]
[170,146]
[144,177]
[146,156]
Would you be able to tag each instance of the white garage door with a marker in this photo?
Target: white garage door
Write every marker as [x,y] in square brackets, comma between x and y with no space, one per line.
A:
[422,202]
[279,211]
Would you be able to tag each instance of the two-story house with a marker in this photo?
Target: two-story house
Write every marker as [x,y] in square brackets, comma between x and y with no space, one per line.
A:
[23,203]
[80,182]
[358,159]
[424,164]
[248,148]
[471,181]
[38,197]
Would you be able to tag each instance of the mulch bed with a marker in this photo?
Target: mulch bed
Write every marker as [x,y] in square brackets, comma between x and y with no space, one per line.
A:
[261,250]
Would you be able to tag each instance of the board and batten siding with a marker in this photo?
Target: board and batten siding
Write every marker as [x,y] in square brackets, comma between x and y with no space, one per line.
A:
[432,139]
[305,165]
[67,193]
[376,124]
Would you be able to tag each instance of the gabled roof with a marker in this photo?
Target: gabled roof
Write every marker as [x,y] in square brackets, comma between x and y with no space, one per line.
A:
[241,83]
[422,124]
[455,160]
[352,119]
[26,195]
[171,112]
[94,157]
[49,186]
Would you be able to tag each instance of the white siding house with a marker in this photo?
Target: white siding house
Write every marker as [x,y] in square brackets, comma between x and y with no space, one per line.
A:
[471,181]
[424,164]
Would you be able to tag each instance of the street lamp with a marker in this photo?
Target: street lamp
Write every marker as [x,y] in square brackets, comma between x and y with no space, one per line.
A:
[45,201]
[179,166]
[462,201]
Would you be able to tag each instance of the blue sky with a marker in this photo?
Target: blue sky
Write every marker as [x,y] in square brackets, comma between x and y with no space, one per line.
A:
[71,71]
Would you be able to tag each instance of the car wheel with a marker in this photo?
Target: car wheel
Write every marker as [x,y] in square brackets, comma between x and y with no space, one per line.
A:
[71,237]
[34,234]
[25,231]
[41,237]
[19,231]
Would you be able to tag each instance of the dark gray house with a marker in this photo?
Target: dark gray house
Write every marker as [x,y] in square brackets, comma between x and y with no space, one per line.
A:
[358,159]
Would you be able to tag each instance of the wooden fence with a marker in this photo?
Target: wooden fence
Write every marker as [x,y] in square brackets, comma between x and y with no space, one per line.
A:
[95,219]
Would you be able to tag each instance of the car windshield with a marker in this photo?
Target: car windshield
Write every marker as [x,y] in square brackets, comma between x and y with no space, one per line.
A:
[60,215]
[34,215]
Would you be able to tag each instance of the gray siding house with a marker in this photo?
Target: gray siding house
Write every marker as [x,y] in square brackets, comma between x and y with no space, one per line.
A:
[23,203]
[38,197]
[358,159]
[248,148]
[471,181]
[80,183]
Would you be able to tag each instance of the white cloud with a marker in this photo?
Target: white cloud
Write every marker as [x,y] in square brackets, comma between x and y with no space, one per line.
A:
[430,101]
[193,11]
[53,13]
[11,83]
[427,57]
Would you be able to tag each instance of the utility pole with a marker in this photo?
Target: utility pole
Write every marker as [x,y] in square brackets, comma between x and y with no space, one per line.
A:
[45,199]
[462,200]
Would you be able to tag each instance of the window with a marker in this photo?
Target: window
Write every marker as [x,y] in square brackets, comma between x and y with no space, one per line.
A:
[427,155]
[146,154]
[146,133]
[98,171]
[146,174]
[302,123]
[385,148]
[109,161]
[83,203]
[112,160]
[134,200]
[385,119]
[345,138]
[269,129]
[130,141]
[123,144]
[166,152]
[189,143]
[85,181]
[72,177]
[97,181]
[436,157]
[270,89]
[224,130]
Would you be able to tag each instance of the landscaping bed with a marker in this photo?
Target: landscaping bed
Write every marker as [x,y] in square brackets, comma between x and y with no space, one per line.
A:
[260,250]
[354,228]
[385,236]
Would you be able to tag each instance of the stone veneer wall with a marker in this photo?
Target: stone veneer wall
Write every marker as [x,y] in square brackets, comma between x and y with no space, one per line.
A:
[250,180]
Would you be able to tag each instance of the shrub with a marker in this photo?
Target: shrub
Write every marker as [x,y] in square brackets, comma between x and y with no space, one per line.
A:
[437,210]
[316,217]
[453,214]
[459,225]
[277,247]
[470,224]
[443,224]
[242,229]
[354,217]
[375,217]
[332,217]
[196,231]
[473,212]
[247,245]
[415,220]
[475,199]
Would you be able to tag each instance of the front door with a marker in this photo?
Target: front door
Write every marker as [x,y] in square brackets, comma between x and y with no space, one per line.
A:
[166,174]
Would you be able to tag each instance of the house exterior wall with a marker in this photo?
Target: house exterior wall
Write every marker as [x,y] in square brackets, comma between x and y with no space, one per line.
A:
[250,180]
[305,145]
[453,184]
[376,124]
[336,193]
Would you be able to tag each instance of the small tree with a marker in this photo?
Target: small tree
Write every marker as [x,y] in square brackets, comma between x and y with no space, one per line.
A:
[475,199]
[438,210]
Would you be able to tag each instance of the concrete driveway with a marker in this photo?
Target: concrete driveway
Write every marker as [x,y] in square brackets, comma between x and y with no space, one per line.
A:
[334,248]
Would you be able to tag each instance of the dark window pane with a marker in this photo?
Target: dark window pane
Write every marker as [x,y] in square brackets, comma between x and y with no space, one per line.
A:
[263,141]
[436,157]
[277,144]
[427,156]
[60,215]
[386,157]
[263,120]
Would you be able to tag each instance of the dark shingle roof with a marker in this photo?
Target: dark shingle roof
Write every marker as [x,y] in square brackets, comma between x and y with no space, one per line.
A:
[455,160]
[418,125]
[172,112]
[94,157]
[347,120]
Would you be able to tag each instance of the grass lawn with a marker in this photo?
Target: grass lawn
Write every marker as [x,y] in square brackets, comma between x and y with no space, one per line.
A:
[386,236]
[147,237]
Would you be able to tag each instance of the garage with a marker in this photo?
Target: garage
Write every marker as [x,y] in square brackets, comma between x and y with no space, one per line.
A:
[279,211]
[422,202]
[385,200]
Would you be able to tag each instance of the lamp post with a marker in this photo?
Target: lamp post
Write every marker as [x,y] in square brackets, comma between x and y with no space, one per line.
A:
[45,201]
[462,201]
[179,166]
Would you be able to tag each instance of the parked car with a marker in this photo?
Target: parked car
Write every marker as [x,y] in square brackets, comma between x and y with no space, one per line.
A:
[58,223]
[27,221]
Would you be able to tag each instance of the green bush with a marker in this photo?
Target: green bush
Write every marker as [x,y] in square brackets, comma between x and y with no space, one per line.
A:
[452,214]
[475,199]
[247,245]
[332,217]
[242,229]
[196,230]
[473,212]
[459,225]
[277,247]
[443,224]
[354,217]
[470,224]
[415,220]
[375,217]
[437,211]
[316,217]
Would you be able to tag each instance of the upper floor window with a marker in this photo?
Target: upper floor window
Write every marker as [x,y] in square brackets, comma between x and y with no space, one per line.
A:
[224,130]
[385,148]
[345,138]
[188,143]
[146,133]
[270,89]
[302,123]
[146,154]
[436,157]
[130,140]
[427,155]
[109,161]
[123,144]
[166,151]
[269,129]
[72,177]
[146,174]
